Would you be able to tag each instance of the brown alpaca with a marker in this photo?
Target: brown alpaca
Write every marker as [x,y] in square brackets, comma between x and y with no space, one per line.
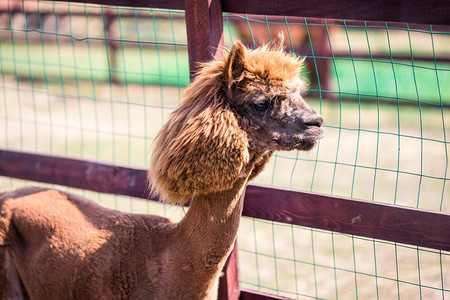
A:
[55,245]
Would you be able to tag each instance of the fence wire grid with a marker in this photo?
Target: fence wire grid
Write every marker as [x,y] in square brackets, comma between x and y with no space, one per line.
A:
[97,82]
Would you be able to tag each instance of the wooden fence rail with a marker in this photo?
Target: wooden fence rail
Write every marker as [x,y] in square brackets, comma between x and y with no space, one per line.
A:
[204,27]
[419,11]
[328,212]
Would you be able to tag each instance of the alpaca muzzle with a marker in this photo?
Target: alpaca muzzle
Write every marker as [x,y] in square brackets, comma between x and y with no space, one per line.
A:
[313,127]
[314,121]
[311,131]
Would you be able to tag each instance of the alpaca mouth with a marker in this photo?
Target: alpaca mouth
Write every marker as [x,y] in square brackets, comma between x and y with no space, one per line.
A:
[304,144]
[301,143]
[307,141]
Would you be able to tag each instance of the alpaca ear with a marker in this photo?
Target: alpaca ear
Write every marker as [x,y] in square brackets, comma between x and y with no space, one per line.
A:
[235,64]
[278,42]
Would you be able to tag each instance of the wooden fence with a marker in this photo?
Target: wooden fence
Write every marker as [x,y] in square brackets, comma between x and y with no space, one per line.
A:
[339,214]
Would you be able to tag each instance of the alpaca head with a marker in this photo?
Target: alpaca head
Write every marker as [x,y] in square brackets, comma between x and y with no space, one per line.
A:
[234,114]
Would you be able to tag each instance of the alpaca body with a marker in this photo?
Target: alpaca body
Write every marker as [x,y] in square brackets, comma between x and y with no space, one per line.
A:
[87,240]
[234,115]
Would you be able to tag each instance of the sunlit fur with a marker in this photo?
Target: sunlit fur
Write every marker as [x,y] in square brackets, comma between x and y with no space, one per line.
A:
[204,146]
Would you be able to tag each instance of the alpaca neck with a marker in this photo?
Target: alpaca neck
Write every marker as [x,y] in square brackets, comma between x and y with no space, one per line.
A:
[208,231]
[216,215]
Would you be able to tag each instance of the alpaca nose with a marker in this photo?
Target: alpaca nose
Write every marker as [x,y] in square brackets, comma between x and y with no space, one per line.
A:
[314,120]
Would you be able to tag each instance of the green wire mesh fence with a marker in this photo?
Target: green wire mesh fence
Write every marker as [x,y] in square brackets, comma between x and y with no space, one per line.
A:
[386,141]
[97,82]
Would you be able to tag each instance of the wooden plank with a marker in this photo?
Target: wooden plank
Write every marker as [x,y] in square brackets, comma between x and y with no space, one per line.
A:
[328,212]
[204,27]
[346,215]
[420,11]
[78,173]
[255,295]
[229,282]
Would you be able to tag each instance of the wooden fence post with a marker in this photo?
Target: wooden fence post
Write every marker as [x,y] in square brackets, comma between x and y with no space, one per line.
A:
[111,46]
[204,27]
[229,282]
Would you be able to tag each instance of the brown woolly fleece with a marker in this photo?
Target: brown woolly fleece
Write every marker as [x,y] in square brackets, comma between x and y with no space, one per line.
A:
[236,113]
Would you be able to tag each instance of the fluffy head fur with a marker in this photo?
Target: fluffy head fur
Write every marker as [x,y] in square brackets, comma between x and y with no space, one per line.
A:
[235,113]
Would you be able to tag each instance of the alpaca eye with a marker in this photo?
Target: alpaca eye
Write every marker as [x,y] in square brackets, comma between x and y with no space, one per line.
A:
[262,106]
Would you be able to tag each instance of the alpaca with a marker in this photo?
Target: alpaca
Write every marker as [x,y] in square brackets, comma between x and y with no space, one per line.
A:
[235,114]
